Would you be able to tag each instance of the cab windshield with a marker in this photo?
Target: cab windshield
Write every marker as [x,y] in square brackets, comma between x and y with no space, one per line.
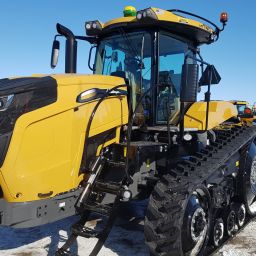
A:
[240,109]
[127,55]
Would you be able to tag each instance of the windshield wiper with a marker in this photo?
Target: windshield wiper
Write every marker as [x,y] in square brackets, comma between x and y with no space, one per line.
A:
[130,45]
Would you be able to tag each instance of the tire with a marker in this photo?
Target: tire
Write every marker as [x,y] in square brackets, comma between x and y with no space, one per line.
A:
[177,222]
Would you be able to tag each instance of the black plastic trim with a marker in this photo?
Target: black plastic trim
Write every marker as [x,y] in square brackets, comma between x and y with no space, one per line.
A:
[91,145]
[38,212]
[20,85]
[4,144]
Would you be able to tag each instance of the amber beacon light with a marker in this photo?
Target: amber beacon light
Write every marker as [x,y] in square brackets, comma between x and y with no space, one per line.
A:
[224,17]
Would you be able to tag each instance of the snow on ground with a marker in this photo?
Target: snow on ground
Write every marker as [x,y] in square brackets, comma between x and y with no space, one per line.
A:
[125,239]
[42,241]
[244,244]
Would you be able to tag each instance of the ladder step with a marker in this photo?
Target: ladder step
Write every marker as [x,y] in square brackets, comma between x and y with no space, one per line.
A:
[98,208]
[116,163]
[62,252]
[83,231]
[111,188]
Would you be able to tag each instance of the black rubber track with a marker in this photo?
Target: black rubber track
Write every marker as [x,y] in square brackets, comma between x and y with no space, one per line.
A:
[164,217]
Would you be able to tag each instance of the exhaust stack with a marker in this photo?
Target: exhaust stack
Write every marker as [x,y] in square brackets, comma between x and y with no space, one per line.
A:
[71,48]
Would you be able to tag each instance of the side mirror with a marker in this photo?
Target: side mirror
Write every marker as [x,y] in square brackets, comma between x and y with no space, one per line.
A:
[189,83]
[210,76]
[55,53]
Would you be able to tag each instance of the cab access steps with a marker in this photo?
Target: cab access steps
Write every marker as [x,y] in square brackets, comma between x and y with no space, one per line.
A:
[87,205]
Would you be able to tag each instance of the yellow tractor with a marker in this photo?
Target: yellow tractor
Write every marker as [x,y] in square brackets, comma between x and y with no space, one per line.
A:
[132,131]
[245,112]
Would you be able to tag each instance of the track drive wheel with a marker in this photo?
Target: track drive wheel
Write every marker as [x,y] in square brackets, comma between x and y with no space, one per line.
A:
[178,218]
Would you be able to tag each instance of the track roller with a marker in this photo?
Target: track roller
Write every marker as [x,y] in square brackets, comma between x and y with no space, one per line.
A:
[230,222]
[218,232]
[240,211]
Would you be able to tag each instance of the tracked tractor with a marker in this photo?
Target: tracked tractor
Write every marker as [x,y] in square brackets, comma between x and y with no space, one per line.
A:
[245,111]
[131,131]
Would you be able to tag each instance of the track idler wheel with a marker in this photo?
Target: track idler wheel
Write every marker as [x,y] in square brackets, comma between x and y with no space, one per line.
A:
[230,222]
[218,232]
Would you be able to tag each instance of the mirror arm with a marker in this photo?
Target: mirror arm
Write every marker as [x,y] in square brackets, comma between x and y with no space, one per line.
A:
[89,59]
[201,64]
[56,36]
[89,39]
[199,60]
[207,99]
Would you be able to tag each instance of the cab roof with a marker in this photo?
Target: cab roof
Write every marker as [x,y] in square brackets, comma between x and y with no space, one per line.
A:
[190,29]
[239,102]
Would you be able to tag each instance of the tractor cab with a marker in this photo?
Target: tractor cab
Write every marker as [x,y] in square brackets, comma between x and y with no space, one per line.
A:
[149,48]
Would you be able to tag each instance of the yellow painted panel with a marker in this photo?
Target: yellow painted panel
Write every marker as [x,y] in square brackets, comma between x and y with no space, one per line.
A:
[46,148]
[219,111]
[43,158]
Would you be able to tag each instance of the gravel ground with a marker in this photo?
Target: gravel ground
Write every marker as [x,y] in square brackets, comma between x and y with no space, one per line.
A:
[125,239]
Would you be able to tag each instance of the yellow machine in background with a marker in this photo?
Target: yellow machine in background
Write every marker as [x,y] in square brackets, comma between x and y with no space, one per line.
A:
[131,132]
[244,111]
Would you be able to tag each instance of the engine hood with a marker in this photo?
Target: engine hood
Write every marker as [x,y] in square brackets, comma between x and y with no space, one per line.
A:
[24,84]
[97,80]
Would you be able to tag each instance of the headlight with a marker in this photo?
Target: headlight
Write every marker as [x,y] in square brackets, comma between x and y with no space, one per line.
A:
[93,28]
[147,14]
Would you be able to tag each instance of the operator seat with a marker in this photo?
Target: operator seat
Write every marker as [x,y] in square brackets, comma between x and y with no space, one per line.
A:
[168,92]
